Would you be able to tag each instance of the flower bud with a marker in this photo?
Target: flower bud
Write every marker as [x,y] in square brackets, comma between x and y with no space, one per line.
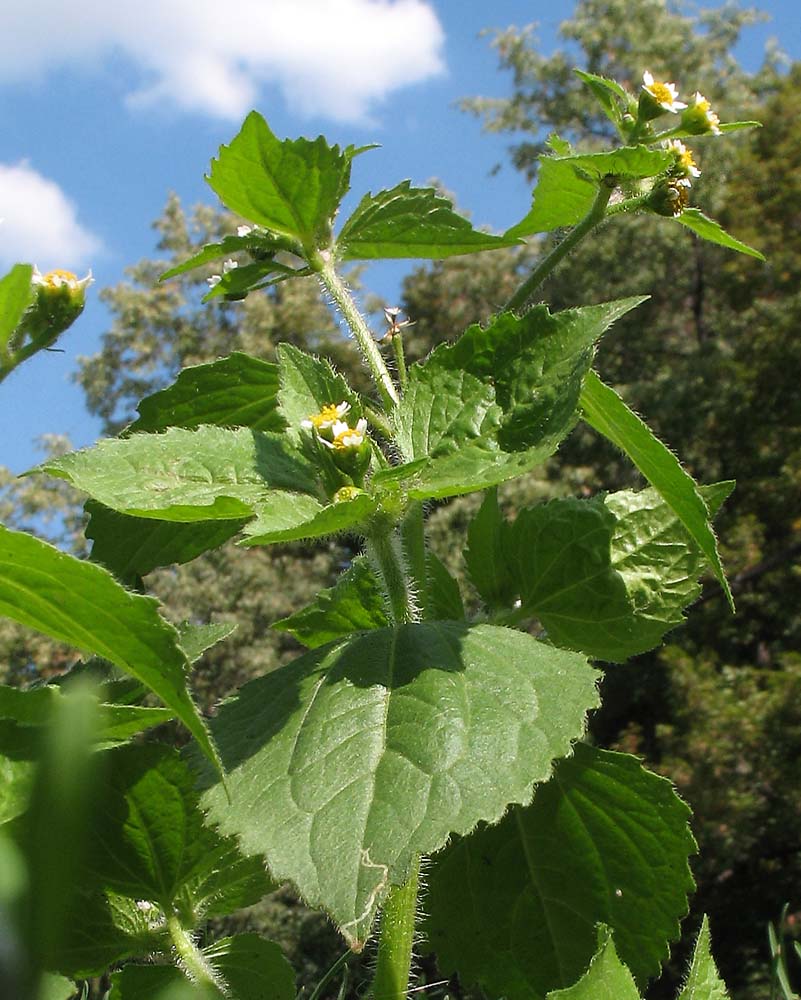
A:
[668,197]
[59,298]
[699,118]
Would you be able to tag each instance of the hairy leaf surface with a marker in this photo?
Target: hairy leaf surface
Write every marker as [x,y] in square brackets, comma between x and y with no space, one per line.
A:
[352,759]
[406,221]
[354,604]
[206,474]
[237,391]
[498,401]
[293,187]
[608,414]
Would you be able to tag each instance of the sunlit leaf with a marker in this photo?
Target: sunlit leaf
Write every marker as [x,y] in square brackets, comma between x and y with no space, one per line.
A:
[374,749]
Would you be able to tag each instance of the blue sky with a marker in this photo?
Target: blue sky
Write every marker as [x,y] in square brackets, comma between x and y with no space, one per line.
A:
[105,108]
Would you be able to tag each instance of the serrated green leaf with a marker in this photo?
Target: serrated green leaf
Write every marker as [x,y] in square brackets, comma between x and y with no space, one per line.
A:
[206,474]
[371,750]
[103,928]
[292,187]
[354,604]
[411,222]
[237,391]
[150,840]
[251,967]
[513,907]
[609,94]
[607,978]
[486,557]
[234,882]
[712,231]
[132,547]
[196,639]
[16,294]
[308,384]
[608,414]
[703,980]
[83,605]
[562,197]
[567,185]
[608,576]
[498,401]
[302,517]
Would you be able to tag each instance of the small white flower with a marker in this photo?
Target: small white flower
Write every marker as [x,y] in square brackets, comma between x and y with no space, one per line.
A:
[327,417]
[665,94]
[244,230]
[684,162]
[214,280]
[229,265]
[61,279]
[345,436]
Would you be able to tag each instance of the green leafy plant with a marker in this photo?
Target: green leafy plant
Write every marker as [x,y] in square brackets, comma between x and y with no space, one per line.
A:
[408,731]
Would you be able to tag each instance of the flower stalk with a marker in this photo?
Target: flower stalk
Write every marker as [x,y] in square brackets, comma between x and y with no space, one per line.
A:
[595,215]
[322,264]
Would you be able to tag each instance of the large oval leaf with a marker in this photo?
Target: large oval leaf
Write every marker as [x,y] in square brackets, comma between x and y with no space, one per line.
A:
[349,761]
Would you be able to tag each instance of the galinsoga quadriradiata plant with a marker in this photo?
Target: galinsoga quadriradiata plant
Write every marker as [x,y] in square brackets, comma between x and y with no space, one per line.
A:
[408,730]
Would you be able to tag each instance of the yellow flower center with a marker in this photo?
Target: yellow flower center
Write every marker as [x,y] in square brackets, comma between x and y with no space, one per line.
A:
[54,279]
[661,93]
[686,161]
[327,416]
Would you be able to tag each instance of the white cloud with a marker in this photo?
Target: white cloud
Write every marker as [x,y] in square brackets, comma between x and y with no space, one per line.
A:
[334,58]
[40,224]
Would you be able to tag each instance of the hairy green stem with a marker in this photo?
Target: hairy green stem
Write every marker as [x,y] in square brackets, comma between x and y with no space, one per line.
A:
[398,917]
[385,551]
[400,358]
[190,956]
[322,264]
[414,548]
[595,215]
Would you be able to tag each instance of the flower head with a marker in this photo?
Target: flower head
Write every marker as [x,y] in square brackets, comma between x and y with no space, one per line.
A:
[685,166]
[55,280]
[347,437]
[699,118]
[244,230]
[329,415]
[664,95]
[669,197]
